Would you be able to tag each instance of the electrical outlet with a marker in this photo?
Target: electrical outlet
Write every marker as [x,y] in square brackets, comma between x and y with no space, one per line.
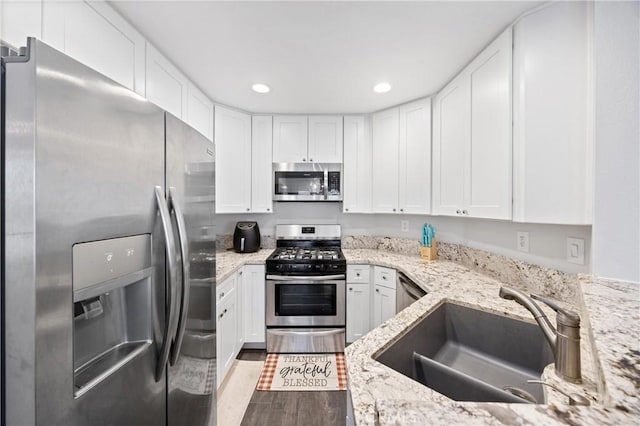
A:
[523,242]
[404,225]
[575,250]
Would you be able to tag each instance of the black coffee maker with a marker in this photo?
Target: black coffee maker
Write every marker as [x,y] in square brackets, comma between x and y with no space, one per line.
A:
[246,237]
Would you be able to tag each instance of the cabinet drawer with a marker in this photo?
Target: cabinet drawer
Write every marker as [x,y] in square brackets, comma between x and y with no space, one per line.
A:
[385,277]
[358,273]
[226,289]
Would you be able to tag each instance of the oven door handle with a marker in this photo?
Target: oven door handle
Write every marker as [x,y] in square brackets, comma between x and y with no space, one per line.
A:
[306,278]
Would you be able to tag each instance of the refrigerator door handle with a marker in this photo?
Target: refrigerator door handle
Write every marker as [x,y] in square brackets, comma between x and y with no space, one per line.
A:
[170,246]
[186,282]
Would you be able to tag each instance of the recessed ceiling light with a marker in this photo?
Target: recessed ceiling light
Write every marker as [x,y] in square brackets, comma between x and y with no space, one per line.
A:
[260,88]
[382,87]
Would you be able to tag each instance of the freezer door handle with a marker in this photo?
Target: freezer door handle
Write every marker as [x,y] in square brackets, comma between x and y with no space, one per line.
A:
[170,245]
[186,276]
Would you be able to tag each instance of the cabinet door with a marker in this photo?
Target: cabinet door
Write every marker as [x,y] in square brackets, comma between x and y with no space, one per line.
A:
[233,161]
[19,20]
[358,311]
[253,305]
[385,161]
[96,35]
[199,111]
[325,139]
[290,139]
[166,85]
[450,146]
[261,164]
[488,189]
[357,165]
[414,190]
[226,335]
[384,306]
[553,145]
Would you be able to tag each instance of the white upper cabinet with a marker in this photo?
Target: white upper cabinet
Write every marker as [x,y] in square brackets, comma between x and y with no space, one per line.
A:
[167,87]
[472,144]
[261,165]
[325,139]
[450,140]
[385,140]
[357,165]
[233,161]
[19,20]
[96,35]
[488,190]
[414,189]
[290,138]
[199,111]
[401,166]
[553,103]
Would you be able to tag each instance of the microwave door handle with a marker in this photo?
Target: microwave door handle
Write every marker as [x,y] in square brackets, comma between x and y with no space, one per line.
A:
[170,247]
[186,277]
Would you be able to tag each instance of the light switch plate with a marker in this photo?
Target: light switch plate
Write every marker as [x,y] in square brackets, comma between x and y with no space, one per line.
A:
[523,242]
[575,250]
[404,225]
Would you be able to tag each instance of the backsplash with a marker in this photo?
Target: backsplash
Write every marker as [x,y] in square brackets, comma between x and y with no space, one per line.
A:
[516,273]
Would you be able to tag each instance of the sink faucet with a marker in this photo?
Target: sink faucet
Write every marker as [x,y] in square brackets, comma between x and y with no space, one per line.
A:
[565,341]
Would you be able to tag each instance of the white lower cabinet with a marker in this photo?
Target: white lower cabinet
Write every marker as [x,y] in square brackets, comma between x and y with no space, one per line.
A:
[240,303]
[384,304]
[253,304]
[226,326]
[358,310]
[384,294]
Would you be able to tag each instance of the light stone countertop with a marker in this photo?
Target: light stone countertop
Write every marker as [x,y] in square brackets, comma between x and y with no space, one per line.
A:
[380,395]
[228,262]
[383,396]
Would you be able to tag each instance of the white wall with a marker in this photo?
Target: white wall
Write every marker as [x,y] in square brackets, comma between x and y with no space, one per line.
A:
[616,228]
[547,243]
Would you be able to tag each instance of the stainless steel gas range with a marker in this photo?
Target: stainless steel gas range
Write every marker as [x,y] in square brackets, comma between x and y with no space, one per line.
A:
[306,292]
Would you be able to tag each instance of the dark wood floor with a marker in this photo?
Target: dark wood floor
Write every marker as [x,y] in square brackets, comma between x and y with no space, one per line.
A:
[268,408]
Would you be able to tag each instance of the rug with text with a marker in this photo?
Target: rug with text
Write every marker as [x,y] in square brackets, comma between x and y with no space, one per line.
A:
[303,372]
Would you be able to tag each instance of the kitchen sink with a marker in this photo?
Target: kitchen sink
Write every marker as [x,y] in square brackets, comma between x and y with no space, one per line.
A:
[472,355]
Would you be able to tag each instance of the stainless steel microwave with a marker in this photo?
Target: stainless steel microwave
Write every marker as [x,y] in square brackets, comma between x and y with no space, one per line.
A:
[307,181]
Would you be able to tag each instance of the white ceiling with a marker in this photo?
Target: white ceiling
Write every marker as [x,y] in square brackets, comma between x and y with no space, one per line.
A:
[320,57]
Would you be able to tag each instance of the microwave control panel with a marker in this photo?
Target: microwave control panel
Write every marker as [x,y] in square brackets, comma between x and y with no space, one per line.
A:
[333,187]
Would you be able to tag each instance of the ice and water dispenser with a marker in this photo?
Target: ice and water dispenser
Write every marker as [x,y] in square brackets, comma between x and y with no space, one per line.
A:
[112,304]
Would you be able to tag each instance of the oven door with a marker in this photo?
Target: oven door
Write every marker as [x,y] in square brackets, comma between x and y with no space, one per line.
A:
[305,301]
[299,185]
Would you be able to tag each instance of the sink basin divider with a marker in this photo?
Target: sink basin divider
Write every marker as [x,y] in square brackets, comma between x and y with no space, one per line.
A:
[434,374]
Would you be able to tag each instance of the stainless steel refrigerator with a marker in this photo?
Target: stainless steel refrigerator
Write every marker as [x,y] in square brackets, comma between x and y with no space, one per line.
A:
[108,252]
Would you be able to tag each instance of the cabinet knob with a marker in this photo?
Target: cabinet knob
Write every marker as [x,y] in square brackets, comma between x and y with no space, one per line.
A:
[465,212]
[384,277]
[377,290]
[268,209]
[346,210]
[350,288]
[394,210]
[248,209]
[357,274]
[458,212]
[221,295]
[304,159]
[401,210]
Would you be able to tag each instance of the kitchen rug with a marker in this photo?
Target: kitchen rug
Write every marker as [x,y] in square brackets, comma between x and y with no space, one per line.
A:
[303,372]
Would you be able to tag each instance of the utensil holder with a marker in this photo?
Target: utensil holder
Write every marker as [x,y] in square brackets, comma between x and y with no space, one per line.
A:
[430,253]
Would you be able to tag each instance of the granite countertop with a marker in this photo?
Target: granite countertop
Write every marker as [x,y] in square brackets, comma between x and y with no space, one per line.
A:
[228,262]
[383,396]
[380,395]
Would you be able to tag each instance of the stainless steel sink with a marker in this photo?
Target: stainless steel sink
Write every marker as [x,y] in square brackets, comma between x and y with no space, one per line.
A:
[472,355]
